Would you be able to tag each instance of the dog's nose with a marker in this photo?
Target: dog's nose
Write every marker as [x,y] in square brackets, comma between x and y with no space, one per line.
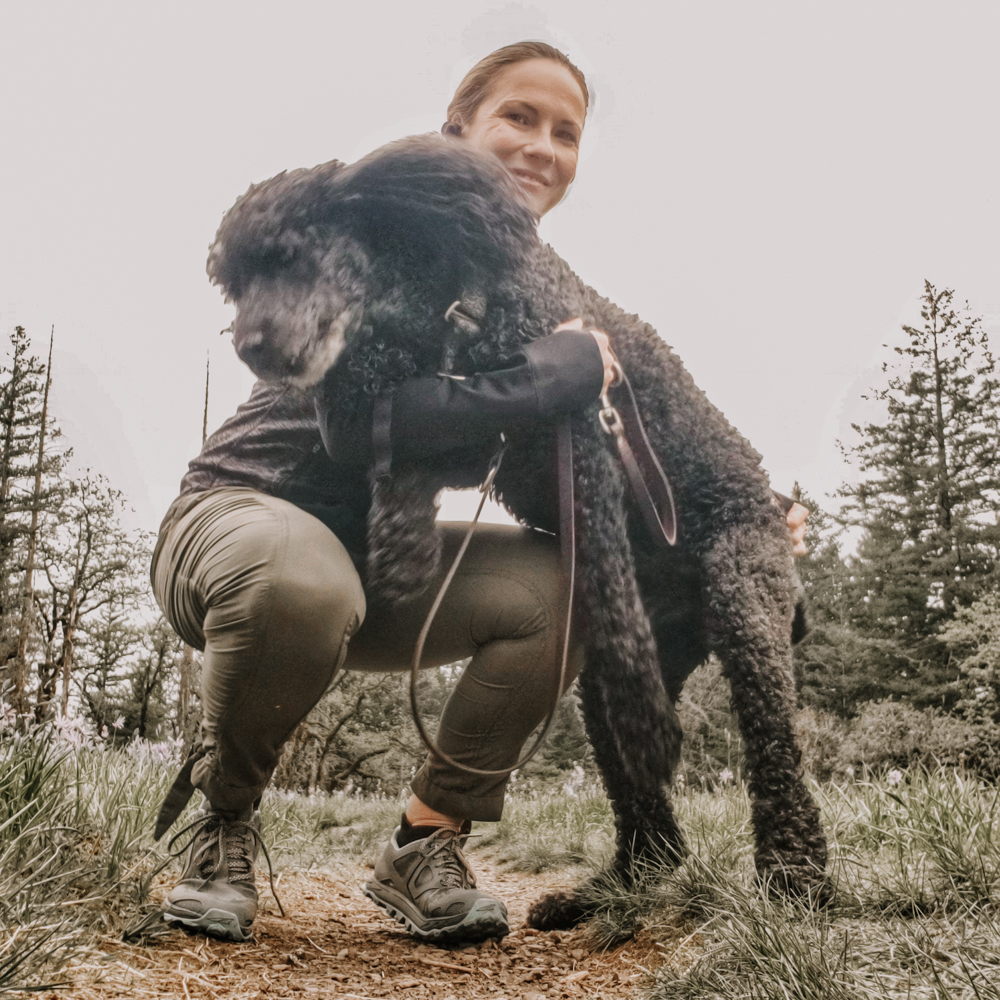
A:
[251,349]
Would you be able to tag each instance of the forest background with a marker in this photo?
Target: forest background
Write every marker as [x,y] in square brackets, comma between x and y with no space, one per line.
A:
[902,663]
[767,184]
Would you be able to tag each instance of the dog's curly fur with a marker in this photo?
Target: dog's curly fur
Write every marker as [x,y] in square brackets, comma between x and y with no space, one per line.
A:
[344,274]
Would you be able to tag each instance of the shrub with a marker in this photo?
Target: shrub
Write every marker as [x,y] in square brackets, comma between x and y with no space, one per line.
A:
[886,734]
[821,737]
[711,733]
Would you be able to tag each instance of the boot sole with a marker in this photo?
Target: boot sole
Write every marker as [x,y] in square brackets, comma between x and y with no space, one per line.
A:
[487,919]
[215,923]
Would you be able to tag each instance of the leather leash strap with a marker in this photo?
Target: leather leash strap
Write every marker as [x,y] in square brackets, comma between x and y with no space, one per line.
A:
[567,548]
[650,486]
[652,493]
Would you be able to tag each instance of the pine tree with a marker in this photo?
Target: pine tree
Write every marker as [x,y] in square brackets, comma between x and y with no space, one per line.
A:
[834,663]
[927,498]
[30,484]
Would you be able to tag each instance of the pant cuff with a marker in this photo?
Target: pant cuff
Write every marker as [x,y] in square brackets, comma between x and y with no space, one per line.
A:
[462,804]
[220,794]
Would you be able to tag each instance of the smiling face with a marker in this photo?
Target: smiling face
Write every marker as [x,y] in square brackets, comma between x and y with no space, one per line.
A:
[532,119]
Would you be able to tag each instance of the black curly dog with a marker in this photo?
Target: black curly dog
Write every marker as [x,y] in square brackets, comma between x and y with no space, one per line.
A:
[342,276]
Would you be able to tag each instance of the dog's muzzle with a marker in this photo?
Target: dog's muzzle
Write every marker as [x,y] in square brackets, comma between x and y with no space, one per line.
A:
[254,349]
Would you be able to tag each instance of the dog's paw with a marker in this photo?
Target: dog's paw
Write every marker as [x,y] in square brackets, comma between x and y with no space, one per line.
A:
[558,911]
[802,881]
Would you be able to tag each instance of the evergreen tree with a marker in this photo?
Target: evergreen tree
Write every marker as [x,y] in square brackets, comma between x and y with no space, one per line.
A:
[973,638]
[834,663]
[927,499]
[30,484]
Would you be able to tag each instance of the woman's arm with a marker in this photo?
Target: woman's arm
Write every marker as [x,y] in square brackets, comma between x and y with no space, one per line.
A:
[431,415]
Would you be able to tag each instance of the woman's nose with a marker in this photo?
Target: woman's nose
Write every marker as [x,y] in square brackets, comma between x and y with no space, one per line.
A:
[539,145]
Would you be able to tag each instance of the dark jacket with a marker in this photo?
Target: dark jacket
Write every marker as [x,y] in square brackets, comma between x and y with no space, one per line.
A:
[282,440]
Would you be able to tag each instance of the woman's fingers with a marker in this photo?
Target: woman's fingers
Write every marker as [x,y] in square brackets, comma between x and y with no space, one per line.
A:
[570,324]
[796,521]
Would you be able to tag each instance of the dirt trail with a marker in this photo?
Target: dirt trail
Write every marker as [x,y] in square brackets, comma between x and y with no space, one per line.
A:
[335,943]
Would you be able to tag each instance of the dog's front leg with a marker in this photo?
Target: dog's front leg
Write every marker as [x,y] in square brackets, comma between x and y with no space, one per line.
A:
[630,718]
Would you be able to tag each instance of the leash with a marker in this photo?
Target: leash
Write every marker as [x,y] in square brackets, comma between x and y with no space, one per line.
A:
[650,486]
[650,489]
[567,547]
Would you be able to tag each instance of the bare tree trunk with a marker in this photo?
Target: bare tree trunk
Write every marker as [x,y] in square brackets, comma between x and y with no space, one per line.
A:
[15,665]
[68,650]
[28,590]
[331,737]
[943,498]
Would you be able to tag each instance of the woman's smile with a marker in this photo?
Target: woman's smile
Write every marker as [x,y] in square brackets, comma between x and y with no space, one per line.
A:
[529,180]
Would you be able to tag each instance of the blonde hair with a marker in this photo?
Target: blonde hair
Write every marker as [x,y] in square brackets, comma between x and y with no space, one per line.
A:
[475,86]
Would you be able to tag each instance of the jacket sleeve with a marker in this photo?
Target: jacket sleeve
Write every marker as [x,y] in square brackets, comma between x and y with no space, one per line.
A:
[431,415]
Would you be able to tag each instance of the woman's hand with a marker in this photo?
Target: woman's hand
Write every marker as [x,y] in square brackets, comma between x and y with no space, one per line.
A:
[605,346]
[796,521]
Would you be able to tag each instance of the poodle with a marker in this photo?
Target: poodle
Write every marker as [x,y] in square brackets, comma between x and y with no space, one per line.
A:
[342,277]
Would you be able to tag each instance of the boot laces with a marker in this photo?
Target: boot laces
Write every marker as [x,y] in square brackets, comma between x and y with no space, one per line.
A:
[444,853]
[220,838]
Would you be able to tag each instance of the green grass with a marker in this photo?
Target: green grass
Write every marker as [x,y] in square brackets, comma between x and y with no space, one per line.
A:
[552,830]
[916,867]
[917,912]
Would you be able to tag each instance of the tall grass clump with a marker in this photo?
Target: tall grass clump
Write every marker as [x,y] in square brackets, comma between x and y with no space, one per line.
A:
[75,845]
[36,860]
[553,826]
[916,863]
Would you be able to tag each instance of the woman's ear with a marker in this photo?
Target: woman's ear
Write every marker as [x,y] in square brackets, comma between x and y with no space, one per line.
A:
[451,128]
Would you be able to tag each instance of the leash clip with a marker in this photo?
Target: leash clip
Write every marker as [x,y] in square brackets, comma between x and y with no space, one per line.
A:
[610,420]
[609,417]
[457,315]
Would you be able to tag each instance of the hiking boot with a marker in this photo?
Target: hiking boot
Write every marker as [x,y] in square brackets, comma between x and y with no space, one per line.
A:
[217,894]
[428,887]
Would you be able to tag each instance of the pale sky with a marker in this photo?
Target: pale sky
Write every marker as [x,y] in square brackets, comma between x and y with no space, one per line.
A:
[767,183]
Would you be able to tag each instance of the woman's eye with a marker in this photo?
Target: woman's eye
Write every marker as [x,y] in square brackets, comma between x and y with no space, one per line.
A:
[516,116]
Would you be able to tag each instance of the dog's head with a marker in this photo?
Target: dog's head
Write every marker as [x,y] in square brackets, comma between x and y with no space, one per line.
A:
[311,257]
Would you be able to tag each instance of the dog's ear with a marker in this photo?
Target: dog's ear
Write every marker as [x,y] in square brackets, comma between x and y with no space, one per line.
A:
[439,205]
[273,227]
[430,208]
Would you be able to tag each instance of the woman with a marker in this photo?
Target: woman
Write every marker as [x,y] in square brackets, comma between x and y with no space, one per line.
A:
[256,565]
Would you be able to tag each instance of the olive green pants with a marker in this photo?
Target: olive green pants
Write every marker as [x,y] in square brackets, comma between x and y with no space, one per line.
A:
[273,598]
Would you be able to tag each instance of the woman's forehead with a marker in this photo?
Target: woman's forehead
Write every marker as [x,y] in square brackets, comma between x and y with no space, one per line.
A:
[542,83]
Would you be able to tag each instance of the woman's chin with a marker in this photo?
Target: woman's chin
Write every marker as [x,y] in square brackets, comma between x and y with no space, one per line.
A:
[537,201]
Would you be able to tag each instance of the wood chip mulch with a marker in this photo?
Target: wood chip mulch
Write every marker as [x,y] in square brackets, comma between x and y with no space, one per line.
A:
[335,943]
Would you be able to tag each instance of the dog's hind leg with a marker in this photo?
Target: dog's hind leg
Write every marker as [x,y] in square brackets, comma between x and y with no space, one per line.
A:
[750,610]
